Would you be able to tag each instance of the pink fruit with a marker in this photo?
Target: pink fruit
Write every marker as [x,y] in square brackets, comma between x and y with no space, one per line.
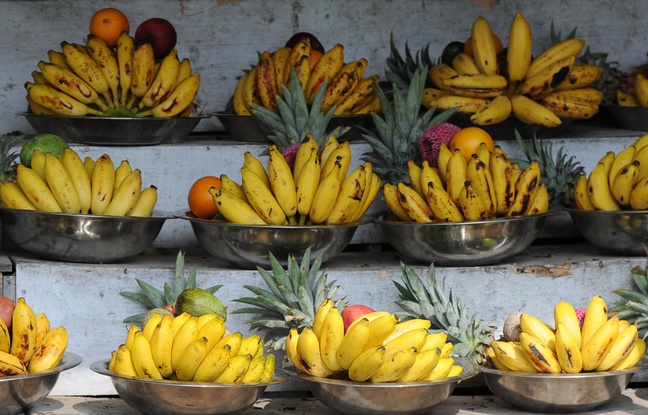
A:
[171,308]
[580,313]
[432,139]
[353,312]
[6,310]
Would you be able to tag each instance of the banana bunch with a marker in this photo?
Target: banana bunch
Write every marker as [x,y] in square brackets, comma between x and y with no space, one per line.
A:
[376,348]
[317,190]
[189,348]
[636,98]
[601,344]
[487,187]
[68,184]
[347,88]
[31,346]
[538,91]
[96,80]
[618,181]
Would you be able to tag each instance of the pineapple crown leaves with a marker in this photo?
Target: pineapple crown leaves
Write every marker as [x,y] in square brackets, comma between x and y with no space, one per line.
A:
[633,305]
[445,313]
[8,158]
[152,297]
[293,119]
[400,71]
[290,300]
[559,171]
[399,130]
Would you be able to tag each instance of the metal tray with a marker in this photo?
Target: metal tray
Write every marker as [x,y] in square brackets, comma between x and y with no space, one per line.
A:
[630,118]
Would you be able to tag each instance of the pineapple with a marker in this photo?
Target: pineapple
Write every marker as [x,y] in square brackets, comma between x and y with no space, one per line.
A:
[293,297]
[449,314]
[7,158]
[559,171]
[294,120]
[400,130]
[634,303]
[401,71]
[152,297]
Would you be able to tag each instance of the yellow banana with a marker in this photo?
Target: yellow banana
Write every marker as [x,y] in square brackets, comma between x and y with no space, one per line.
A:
[234,340]
[349,198]
[320,315]
[126,196]
[102,184]
[456,175]
[371,191]
[395,366]
[71,84]
[161,345]
[465,105]
[88,165]
[185,335]
[143,358]
[261,198]
[512,356]
[585,95]
[406,326]
[359,95]
[566,48]
[235,369]
[413,338]
[636,354]
[255,370]
[414,204]
[494,362]
[130,336]
[582,76]
[125,53]
[266,80]
[519,51]
[143,70]
[525,187]
[502,172]
[442,205]
[568,349]
[641,90]
[426,361]
[213,330]
[61,185]
[414,173]
[429,174]
[623,158]
[234,209]
[13,197]
[241,107]
[185,70]
[58,102]
[447,350]
[233,187]
[380,328]
[598,345]
[625,100]
[367,364]
[324,70]
[565,313]
[268,368]
[11,365]
[164,81]
[431,94]
[539,201]
[5,337]
[623,183]
[472,204]
[531,112]
[191,358]
[541,356]
[599,190]
[439,73]
[464,64]
[639,194]
[567,108]
[310,356]
[325,195]
[279,59]
[442,369]
[548,79]
[483,45]
[477,85]
[494,112]
[124,362]
[249,92]
[641,155]
[353,343]
[307,182]
[86,68]
[620,348]
[581,194]
[291,350]
[213,364]
[253,163]
[36,190]
[299,59]
[533,326]
[38,109]
[145,203]
[57,58]
[478,174]
[442,161]
[595,317]
[434,341]
[177,100]
[74,167]
[123,170]
[330,145]
[392,200]
[331,336]
[23,331]
[343,83]
[151,324]
[106,58]
[50,352]
[250,345]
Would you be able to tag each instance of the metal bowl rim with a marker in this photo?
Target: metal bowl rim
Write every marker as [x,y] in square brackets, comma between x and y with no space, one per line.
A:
[157,215]
[465,223]
[562,376]
[101,367]
[471,369]
[223,114]
[69,361]
[576,211]
[184,214]
[103,118]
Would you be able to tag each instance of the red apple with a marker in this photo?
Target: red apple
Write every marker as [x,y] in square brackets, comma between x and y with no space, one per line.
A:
[353,312]
[297,37]
[160,33]
[6,310]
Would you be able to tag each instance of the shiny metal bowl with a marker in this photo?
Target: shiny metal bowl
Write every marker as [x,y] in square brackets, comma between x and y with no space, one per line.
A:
[250,128]
[168,397]
[623,232]
[247,246]
[364,398]
[630,118]
[115,131]
[81,238]
[463,243]
[19,393]
[558,393]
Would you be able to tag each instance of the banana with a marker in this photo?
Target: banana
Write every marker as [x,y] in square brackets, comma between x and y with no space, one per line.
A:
[71,84]
[50,352]
[541,356]
[291,350]
[234,209]
[494,112]
[441,72]
[102,184]
[599,190]
[639,194]
[324,71]
[126,196]
[582,76]
[143,358]
[241,107]
[392,200]
[266,80]
[235,369]
[124,362]
[568,348]
[414,174]
[36,190]
[367,364]
[57,58]
[533,326]
[57,101]
[519,51]
[299,59]
[78,59]
[325,195]
[191,358]
[431,94]
[483,45]
[123,170]
[307,182]
[310,356]
[622,347]
[607,160]
[478,174]
[255,370]
[341,155]
[23,331]
[539,201]
[213,364]
[456,175]
[414,204]
[636,354]
[641,155]
[442,205]
[249,93]
[464,64]
[233,187]
[5,337]
[250,345]
[625,100]
[512,356]
[150,325]
[565,313]
[38,109]
[477,86]
[253,163]
[501,173]
[125,52]
[429,174]
[359,96]
[494,362]
[38,78]
[599,343]
[531,112]
[434,340]
[372,106]
[447,350]
[329,146]
[13,197]
[130,336]
[177,101]
[185,335]
[584,95]
[349,198]
[11,365]
[623,183]
[525,187]
[442,161]
[268,368]
[406,326]
[473,205]
[595,316]
[234,340]
[465,105]
[353,343]
[395,366]
[442,369]
[320,315]
[571,47]
[261,198]
[145,203]
[623,158]
[426,361]
[544,82]
[413,338]
[143,70]
[106,58]
[88,165]
[164,81]
[76,171]
[372,188]
[581,194]
[161,345]
[214,330]
[641,90]
[343,83]
[331,336]
[38,163]
[279,59]
[566,107]
[381,328]
[61,185]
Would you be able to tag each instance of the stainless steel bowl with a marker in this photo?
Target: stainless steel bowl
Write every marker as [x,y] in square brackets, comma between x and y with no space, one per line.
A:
[168,397]
[623,232]
[463,243]
[250,128]
[115,131]
[247,246]
[364,398]
[630,118]
[81,238]
[560,393]
[19,393]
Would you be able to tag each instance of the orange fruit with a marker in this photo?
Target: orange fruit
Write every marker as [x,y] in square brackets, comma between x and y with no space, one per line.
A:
[469,49]
[201,202]
[468,139]
[315,57]
[107,24]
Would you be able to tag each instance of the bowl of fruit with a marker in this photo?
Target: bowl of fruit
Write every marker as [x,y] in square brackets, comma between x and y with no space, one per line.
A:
[623,232]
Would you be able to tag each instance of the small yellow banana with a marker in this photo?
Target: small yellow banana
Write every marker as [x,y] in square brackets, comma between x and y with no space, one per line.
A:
[50,352]
[395,366]
[234,209]
[414,204]
[599,190]
[531,112]
[561,50]
[102,184]
[23,331]
[213,364]
[310,356]
[324,70]
[57,101]
[595,316]
[106,58]
[519,51]
[367,364]
[164,81]
[525,186]
[125,51]
[235,369]
[161,344]
[331,335]
[70,83]
[145,203]
[598,345]
[86,68]
[349,198]
[266,80]
[472,203]
[483,45]
[581,194]
[539,354]
[177,101]
[13,197]
[61,185]
[261,198]
[36,190]
[392,200]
